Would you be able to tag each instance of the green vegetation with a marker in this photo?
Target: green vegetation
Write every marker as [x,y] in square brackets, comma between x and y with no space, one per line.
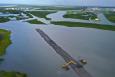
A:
[10,11]
[48,18]
[28,14]
[81,15]
[18,18]
[35,21]
[4,40]
[4,19]
[41,14]
[12,74]
[59,7]
[110,16]
[4,43]
[87,25]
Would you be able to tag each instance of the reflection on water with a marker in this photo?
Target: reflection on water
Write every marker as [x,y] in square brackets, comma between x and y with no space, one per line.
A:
[29,53]
[1,60]
[97,46]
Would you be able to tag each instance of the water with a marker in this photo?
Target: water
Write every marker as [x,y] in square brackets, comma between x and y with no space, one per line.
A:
[29,53]
[6,15]
[58,16]
[96,46]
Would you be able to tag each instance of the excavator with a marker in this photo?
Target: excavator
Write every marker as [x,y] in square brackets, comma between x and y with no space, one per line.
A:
[80,64]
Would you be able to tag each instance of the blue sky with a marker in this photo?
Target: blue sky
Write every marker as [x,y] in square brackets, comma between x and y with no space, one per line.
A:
[62,2]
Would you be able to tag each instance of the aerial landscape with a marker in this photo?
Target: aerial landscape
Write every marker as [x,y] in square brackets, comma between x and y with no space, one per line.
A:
[54,39]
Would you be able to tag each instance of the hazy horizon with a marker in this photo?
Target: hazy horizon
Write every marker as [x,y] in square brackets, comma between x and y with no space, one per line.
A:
[62,2]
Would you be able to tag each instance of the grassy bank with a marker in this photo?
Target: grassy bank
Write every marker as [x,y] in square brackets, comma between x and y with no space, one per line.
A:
[29,15]
[87,25]
[81,15]
[12,74]
[11,11]
[4,19]
[41,14]
[110,16]
[35,21]
[4,40]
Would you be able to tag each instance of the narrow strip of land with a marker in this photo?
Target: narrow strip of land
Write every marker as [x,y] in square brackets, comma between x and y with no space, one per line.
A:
[86,25]
[80,71]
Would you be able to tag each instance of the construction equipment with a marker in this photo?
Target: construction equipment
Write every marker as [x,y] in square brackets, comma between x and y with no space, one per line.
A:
[81,63]
[76,65]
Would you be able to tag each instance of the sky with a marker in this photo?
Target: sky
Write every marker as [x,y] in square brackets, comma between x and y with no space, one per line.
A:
[62,2]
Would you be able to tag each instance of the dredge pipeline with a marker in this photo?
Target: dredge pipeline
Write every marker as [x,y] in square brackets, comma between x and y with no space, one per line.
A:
[75,66]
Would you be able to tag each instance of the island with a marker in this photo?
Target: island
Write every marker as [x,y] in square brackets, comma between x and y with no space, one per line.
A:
[41,14]
[84,15]
[34,21]
[4,19]
[86,25]
[4,40]
[110,15]
[7,15]
[4,43]
[12,74]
